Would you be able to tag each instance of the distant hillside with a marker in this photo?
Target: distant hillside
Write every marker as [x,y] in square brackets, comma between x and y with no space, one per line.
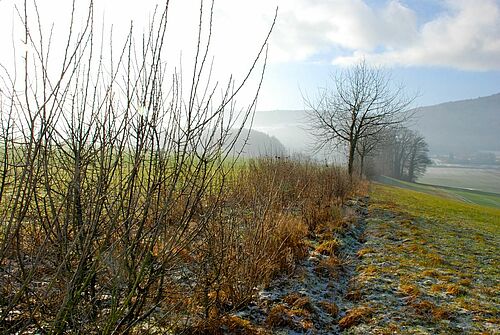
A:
[289,126]
[453,127]
[258,144]
[461,126]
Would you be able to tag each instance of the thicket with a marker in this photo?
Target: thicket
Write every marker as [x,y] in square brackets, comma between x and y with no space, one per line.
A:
[141,259]
[120,211]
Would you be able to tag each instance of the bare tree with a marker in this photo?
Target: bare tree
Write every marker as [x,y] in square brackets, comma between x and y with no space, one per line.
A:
[362,104]
[403,154]
[418,158]
[401,142]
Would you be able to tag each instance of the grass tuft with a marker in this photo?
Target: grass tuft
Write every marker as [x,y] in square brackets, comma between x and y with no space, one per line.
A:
[328,248]
[355,316]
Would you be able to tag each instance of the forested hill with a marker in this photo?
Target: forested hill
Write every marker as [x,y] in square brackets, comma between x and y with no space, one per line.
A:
[461,126]
[258,144]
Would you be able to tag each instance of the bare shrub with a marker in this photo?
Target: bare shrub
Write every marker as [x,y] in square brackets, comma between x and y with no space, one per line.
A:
[120,211]
[106,169]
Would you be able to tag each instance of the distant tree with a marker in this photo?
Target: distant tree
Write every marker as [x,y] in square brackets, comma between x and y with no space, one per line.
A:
[402,142]
[403,154]
[418,157]
[362,104]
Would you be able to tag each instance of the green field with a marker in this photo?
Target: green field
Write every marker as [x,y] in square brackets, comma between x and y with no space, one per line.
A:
[487,180]
[468,196]
[429,265]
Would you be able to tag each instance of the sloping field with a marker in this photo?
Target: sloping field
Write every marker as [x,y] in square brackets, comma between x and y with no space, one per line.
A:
[463,195]
[487,180]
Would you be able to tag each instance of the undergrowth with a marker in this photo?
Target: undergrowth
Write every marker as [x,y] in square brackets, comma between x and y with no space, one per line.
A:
[240,236]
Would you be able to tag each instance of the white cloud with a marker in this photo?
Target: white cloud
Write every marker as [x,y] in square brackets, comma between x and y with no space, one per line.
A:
[466,35]
[309,27]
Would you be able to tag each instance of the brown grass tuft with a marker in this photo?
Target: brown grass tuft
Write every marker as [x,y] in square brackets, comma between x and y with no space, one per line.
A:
[423,307]
[370,270]
[427,309]
[237,325]
[279,317]
[435,259]
[455,289]
[409,290]
[364,251]
[452,289]
[355,316]
[297,317]
[329,266]
[354,293]
[328,248]
[329,307]
[299,301]
[440,313]
[431,273]
[465,282]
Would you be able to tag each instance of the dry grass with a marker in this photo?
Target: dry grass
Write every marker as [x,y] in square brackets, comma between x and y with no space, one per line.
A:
[426,309]
[409,290]
[294,318]
[433,273]
[451,289]
[364,251]
[240,237]
[298,301]
[355,316]
[435,260]
[329,307]
[465,282]
[279,317]
[354,291]
[329,266]
[328,248]
[370,270]
[271,205]
[236,325]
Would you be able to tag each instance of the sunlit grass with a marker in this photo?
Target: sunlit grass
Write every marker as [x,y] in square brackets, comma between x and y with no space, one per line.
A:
[462,195]
[437,208]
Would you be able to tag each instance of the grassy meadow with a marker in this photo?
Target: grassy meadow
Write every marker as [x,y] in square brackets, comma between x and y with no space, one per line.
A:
[430,265]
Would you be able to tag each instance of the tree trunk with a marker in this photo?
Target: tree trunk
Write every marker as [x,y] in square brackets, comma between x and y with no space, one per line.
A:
[411,167]
[350,165]
[361,165]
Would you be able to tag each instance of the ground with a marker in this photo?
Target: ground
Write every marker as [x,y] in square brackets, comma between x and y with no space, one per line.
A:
[410,263]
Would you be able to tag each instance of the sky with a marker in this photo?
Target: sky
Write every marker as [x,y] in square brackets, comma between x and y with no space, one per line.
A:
[442,50]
